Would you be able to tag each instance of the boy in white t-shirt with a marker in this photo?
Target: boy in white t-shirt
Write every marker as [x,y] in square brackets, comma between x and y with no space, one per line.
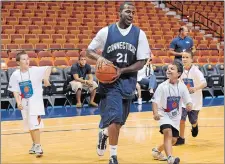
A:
[26,85]
[194,79]
[167,107]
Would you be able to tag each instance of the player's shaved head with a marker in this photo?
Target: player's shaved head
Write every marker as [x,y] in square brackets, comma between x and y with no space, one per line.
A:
[122,6]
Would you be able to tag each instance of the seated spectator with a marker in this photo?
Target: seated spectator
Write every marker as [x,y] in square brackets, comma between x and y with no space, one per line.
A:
[146,77]
[3,65]
[79,71]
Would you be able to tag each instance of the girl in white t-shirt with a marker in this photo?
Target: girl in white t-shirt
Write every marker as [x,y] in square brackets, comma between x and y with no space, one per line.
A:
[167,107]
[26,85]
[194,79]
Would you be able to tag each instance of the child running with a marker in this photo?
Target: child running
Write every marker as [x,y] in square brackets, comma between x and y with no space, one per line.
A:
[167,107]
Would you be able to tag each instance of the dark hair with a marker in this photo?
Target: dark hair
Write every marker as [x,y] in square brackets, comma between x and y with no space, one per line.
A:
[82,55]
[125,3]
[181,29]
[20,54]
[179,67]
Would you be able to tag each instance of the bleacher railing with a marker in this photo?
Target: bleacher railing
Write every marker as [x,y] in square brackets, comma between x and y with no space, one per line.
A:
[205,21]
[198,18]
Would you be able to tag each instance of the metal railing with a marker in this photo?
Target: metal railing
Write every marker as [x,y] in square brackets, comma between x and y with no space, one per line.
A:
[202,19]
[177,6]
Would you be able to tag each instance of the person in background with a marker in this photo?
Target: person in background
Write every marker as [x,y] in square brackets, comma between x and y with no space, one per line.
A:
[194,79]
[181,43]
[146,77]
[79,71]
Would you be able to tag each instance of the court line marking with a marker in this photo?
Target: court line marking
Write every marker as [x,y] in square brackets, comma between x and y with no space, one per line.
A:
[96,123]
[70,130]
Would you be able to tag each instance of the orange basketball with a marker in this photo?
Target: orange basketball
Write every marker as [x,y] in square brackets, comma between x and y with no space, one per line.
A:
[106,73]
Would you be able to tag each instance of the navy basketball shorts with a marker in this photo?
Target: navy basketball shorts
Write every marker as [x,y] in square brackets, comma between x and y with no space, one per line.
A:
[192,115]
[113,109]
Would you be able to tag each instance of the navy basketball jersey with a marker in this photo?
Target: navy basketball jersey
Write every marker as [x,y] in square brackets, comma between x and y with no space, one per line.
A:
[122,51]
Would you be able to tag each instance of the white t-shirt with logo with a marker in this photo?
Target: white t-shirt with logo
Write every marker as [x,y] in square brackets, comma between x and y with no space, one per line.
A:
[36,75]
[160,96]
[143,50]
[197,76]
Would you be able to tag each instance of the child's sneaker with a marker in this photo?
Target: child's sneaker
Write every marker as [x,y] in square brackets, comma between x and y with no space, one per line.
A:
[32,150]
[194,131]
[102,143]
[113,160]
[157,155]
[38,150]
[180,141]
[173,160]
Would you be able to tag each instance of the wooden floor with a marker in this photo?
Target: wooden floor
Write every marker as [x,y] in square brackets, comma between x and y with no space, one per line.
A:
[73,140]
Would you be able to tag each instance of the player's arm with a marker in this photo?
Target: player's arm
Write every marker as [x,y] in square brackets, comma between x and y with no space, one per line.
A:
[46,76]
[172,52]
[202,80]
[156,99]
[186,98]
[18,100]
[98,43]
[14,88]
[172,48]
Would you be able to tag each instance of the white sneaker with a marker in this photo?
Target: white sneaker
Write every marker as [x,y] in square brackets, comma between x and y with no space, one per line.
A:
[173,160]
[102,143]
[157,155]
[139,101]
[38,150]
[32,150]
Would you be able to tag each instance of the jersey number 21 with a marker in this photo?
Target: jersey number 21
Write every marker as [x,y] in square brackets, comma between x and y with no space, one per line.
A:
[121,58]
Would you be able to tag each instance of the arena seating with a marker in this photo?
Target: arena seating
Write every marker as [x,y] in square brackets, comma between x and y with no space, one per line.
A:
[55,33]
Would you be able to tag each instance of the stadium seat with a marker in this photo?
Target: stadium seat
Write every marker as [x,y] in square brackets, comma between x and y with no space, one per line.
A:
[213,77]
[6,96]
[160,76]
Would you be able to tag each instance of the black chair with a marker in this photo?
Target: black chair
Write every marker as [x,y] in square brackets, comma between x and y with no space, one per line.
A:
[213,77]
[10,94]
[164,68]
[58,82]
[220,70]
[159,73]
[5,96]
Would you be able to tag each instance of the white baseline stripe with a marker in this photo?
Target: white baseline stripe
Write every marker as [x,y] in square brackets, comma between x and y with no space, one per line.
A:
[96,123]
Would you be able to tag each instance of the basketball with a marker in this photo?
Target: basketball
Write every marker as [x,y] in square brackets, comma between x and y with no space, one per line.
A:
[106,73]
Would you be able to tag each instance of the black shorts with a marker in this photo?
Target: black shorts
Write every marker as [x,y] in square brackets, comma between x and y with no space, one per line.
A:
[175,132]
[192,115]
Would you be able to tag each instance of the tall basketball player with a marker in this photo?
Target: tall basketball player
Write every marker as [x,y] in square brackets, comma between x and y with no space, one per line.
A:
[126,46]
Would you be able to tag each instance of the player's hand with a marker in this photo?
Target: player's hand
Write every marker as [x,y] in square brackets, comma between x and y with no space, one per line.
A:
[157,116]
[46,83]
[20,107]
[119,71]
[189,107]
[89,83]
[192,90]
[102,60]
